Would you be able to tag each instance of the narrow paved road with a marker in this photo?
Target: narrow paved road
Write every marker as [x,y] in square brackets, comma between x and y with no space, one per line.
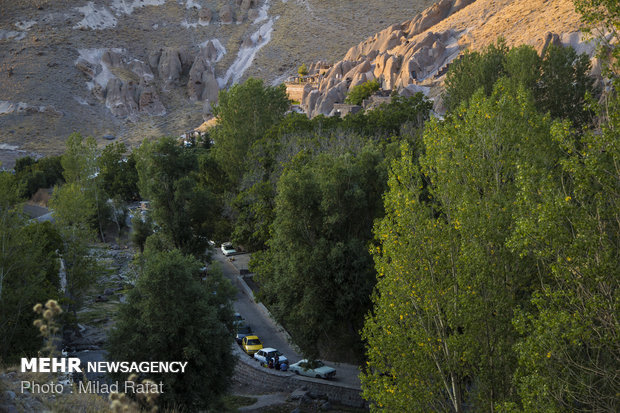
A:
[267,330]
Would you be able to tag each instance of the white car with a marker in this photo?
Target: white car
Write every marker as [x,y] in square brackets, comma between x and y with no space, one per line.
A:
[267,353]
[314,369]
[227,249]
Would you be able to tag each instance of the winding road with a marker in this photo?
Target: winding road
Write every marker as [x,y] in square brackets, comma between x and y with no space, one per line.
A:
[268,331]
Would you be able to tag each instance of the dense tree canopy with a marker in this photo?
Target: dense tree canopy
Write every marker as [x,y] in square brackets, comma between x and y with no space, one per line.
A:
[244,113]
[28,272]
[441,335]
[474,70]
[172,315]
[317,273]
[254,206]
[498,257]
[569,222]
[179,205]
[485,244]
[559,81]
[564,85]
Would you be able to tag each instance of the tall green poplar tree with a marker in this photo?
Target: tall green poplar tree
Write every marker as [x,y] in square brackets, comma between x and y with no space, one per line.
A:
[78,207]
[570,223]
[441,335]
[245,113]
[81,169]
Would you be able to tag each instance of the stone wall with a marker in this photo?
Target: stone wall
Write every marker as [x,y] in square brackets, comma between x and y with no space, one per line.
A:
[249,373]
[295,91]
[343,109]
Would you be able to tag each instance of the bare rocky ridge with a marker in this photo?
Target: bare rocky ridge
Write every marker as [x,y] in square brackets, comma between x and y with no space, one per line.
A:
[137,69]
[414,55]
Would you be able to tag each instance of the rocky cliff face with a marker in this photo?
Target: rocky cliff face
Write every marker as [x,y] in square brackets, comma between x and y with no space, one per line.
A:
[129,86]
[414,55]
[130,83]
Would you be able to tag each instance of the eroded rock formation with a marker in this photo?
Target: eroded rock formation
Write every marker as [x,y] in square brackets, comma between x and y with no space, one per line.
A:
[205,15]
[415,55]
[173,63]
[398,56]
[226,14]
[130,87]
[202,84]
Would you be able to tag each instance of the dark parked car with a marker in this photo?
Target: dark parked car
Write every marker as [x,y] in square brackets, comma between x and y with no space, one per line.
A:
[242,331]
[238,320]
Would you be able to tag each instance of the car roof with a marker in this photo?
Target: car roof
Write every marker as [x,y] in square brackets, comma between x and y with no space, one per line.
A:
[251,337]
[269,349]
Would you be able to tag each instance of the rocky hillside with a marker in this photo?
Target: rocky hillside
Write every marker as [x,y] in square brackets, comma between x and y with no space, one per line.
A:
[414,55]
[145,68]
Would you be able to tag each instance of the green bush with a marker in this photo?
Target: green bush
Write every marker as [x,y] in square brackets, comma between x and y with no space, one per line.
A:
[34,174]
[360,92]
[142,229]
[303,70]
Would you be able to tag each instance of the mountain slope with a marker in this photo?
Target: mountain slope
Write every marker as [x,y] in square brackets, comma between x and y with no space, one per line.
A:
[130,68]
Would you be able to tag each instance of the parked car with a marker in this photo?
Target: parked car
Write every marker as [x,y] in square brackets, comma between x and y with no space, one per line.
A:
[251,344]
[227,249]
[265,354]
[314,368]
[243,330]
[238,320]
